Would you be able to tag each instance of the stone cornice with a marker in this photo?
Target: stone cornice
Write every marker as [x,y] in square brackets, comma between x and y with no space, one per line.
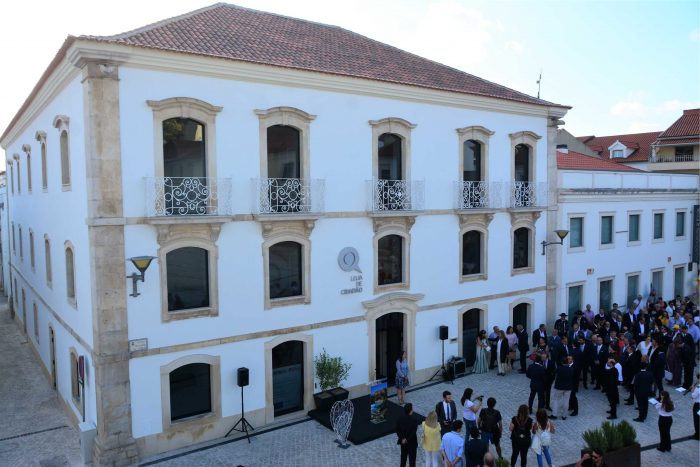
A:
[394,297]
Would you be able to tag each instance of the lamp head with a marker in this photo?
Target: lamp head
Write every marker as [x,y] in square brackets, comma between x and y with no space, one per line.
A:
[561,234]
[141,262]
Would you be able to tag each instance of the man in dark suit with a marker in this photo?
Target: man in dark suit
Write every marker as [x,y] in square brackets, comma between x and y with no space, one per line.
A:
[600,356]
[562,325]
[657,364]
[629,319]
[554,339]
[537,333]
[688,357]
[610,378]
[640,329]
[523,346]
[642,390]
[583,357]
[630,361]
[562,351]
[537,381]
[406,427]
[549,374]
[446,411]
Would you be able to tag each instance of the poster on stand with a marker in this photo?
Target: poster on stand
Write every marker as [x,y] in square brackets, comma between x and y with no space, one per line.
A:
[378,401]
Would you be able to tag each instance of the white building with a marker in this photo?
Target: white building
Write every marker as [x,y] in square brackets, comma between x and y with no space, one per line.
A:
[245,151]
[628,229]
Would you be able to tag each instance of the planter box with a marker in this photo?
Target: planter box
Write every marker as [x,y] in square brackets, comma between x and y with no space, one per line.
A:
[339,394]
[629,456]
[324,401]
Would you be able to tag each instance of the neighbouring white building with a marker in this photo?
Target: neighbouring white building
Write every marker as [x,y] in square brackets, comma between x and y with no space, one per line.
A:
[300,187]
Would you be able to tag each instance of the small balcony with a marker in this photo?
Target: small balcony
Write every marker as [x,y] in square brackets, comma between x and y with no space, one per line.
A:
[473,195]
[528,195]
[188,196]
[288,196]
[661,158]
[395,195]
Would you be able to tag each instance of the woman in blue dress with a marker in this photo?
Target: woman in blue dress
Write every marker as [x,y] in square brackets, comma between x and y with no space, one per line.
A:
[481,364]
[401,377]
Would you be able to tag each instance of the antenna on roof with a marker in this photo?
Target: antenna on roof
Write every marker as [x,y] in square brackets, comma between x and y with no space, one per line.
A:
[539,80]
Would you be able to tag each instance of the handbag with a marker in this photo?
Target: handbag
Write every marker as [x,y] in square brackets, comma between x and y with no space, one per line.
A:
[546,437]
[536,445]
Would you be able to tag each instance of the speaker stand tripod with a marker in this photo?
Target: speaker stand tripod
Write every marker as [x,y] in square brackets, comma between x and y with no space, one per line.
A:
[244,425]
[442,371]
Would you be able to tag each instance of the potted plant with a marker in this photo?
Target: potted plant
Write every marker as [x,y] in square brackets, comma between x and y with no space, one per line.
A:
[617,442]
[330,373]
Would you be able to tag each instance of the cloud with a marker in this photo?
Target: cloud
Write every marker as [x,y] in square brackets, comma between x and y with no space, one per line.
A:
[694,34]
[629,108]
[514,46]
[643,127]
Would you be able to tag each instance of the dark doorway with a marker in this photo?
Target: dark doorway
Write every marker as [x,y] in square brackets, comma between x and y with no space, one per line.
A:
[389,343]
[470,329]
[520,315]
[288,377]
[52,355]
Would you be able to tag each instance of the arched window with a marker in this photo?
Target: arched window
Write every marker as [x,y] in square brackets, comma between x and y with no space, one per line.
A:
[522,163]
[521,248]
[471,253]
[471,168]
[283,152]
[41,137]
[390,260]
[187,278]
[184,167]
[14,240]
[285,270]
[12,178]
[47,259]
[21,244]
[60,122]
[31,248]
[390,158]
[70,274]
[19,176]
[74,379]
[190,391]
[28,151]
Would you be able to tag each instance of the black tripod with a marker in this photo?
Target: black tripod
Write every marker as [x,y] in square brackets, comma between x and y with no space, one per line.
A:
[442,371]
[244,425]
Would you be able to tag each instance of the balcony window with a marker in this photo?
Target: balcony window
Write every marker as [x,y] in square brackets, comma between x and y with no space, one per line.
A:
[187,278]
[285,270]
[390,260]
[284,189]
[522,163]
[184,167]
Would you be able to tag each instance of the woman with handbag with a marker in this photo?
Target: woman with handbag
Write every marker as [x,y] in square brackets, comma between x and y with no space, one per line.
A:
[542,431]
[520,435]
[401,377]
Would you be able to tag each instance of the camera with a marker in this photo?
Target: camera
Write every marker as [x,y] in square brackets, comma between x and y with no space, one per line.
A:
[480,398]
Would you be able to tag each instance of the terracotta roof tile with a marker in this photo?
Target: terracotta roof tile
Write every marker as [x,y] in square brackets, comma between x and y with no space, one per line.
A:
[236,33]
[640,142]
[577,161]
[687,125]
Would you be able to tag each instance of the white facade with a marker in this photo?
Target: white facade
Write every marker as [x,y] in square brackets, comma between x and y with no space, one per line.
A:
[631,254]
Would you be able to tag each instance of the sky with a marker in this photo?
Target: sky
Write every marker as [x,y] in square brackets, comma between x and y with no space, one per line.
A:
[624,66]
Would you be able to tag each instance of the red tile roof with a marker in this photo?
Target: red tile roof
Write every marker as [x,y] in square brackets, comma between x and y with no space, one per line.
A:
[640,142]
[687,126]
[577,161]
[236,33]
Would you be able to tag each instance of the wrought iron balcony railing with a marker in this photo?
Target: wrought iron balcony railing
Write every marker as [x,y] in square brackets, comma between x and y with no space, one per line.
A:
[528,194]
[395,195]
[188,196]
[473,195]
[288,196]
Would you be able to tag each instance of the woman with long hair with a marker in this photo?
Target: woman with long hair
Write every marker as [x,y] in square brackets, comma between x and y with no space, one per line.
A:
[665,408]
[512,344]
[431,439]
[481,364]
[520,435]
[401,377]
[502,353]
[543,429]
[470,410]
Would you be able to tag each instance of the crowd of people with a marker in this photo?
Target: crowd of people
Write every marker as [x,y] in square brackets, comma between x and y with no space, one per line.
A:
[637,351]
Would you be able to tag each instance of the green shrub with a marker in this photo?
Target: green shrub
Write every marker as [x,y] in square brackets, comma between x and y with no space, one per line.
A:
[612,436]
[628,433]
[595,439]
[502,462]
[330,371]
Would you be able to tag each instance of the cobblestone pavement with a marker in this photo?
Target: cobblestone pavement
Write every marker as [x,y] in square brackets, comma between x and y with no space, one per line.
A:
[34,430]
[310,444]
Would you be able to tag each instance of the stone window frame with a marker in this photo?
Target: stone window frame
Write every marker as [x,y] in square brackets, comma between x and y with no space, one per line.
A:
[527,219]
[47,261]
[27,149]
[76,394]
[483,322]
[393,225]
[40,136]
[32,259]
[601,245]
[481,135]
[35,310]
[309,375]
[18,172]
[640,226]
[61,123]
[480,223]
[612,289]
[663,227]
[175,236]
[683,211]
[21,243]
[287,231]
[529,139]
[184,107]
[288,116]
[397,126]
[582,248]
[70,274]
[186,425]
